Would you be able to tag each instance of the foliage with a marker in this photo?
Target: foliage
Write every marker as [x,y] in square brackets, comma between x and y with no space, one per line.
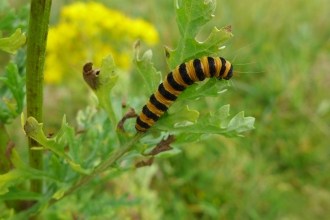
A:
[191,17]
[16,89]
[10,20]
[12,43]
[12,90]
[12,81]
[75,158]
[278,171]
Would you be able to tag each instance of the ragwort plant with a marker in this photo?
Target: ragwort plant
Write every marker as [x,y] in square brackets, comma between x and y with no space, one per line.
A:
[105,143]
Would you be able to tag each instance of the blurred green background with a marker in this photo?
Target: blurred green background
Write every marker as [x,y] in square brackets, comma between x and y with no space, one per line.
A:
[280,170]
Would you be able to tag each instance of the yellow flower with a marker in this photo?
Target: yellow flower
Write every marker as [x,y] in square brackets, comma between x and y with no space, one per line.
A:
[55,72]
[89,32]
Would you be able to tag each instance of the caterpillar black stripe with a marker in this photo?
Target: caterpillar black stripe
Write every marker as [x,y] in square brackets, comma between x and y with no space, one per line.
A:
[177,81]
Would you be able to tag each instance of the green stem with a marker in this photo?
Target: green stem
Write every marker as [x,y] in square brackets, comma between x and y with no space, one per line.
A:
[101,167]
[4,138]
[110,112]
[36,50]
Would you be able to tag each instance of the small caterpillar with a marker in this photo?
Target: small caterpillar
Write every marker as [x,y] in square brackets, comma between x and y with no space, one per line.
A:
[176,82]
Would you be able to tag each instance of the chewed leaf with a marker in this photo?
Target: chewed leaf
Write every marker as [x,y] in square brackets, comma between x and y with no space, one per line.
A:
[56,143]
[145,67]
[106,80]
[192,15]
[12,43]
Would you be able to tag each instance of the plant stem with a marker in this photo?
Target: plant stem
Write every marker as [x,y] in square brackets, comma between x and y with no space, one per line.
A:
[101,167]
[4,138]
[36,50]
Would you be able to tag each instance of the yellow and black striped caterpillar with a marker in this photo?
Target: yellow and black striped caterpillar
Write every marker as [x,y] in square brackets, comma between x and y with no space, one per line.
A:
[176,81]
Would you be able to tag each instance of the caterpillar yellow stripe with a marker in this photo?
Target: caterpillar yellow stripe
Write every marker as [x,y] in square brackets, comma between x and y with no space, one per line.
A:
[176,82]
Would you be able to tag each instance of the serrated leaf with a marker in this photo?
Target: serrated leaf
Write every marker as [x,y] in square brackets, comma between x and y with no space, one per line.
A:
[209,124]
[56,143]
[167,121]
[213,87]
[21,172]
[145,67]
[107,80]
[16,85]
[192,15]
[239,123]
[12,43]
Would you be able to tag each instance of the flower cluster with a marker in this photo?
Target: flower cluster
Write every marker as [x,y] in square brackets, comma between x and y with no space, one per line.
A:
[89,32]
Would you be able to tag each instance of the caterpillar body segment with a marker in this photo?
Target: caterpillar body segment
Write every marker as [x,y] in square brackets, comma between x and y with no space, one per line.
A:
[176,82]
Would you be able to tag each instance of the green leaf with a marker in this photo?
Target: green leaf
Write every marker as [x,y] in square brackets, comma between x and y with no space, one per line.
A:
[79,169]
[21,172]
[56,166]
[12,43]
[209,124]
[56,143]
[75,147]
[107,80]
[212,87]
[60,192]
[170,153]
[240,123]
[39,206]
[184,138]
[10,20]
[16,85]
[169,120]
[151,77]
[192,15]
[16,193]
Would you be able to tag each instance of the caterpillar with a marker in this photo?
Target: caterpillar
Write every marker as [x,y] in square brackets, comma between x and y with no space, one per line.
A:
[176,82]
